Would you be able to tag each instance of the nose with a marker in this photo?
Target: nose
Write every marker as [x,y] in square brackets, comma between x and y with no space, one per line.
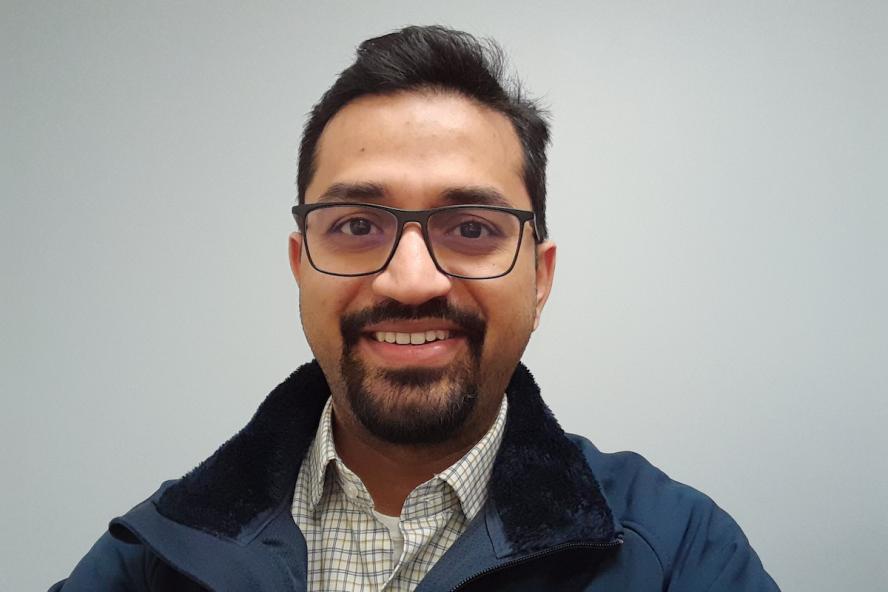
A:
[411,276]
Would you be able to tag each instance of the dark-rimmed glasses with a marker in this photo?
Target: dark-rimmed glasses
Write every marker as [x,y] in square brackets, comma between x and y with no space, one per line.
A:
[465,241]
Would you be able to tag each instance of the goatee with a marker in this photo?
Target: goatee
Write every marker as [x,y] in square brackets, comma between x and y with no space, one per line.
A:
[413,405]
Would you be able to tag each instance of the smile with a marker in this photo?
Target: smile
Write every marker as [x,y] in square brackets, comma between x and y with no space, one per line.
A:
[411,344]
[413,338]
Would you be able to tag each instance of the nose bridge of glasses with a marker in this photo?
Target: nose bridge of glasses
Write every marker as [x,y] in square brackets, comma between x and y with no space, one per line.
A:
[418,218]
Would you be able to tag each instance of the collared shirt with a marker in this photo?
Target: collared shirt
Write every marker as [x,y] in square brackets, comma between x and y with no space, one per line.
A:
[351,547]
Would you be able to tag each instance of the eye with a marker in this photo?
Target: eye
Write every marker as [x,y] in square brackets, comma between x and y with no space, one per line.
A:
[355,226]
[472,229]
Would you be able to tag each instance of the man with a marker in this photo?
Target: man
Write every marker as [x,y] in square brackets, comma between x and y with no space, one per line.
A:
[416,452]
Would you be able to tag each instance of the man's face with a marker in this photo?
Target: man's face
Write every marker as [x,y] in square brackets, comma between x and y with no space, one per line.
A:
[417,150]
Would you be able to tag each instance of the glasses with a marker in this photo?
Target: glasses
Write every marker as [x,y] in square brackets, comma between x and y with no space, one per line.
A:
[465,241]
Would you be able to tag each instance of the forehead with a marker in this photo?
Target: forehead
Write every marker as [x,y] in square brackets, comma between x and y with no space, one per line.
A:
[419,147]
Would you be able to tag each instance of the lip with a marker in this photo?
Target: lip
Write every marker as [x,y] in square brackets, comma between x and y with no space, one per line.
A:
[417,326]
[432,354]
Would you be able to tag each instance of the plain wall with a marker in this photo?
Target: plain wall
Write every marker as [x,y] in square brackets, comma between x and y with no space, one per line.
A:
[717,189]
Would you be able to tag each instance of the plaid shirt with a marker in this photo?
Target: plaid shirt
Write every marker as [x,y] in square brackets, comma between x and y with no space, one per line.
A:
[350,549]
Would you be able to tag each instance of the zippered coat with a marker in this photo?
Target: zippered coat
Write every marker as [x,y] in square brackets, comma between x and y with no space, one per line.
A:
[560,515]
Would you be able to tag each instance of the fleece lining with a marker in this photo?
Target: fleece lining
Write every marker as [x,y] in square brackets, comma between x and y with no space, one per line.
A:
[540,484]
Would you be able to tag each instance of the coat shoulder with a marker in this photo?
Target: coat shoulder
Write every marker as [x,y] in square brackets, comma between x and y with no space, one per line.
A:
[120,562]
[689,533]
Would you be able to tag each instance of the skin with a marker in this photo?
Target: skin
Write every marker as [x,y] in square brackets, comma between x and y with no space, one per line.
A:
[417,146]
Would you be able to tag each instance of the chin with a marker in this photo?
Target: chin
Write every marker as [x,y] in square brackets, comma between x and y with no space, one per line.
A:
[411,405]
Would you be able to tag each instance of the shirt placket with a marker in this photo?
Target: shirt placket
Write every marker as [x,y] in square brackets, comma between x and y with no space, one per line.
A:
[368,533]
[425,516]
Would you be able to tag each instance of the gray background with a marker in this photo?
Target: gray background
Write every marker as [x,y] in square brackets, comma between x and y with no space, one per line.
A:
[718,192]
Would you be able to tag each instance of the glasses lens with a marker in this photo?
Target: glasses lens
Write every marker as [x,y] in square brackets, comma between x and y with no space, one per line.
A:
[349,239]
[474,242]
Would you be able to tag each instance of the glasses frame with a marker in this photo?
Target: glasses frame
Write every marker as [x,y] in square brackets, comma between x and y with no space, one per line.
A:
[421,217]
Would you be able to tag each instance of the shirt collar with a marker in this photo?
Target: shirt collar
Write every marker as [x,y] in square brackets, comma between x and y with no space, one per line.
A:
[468,477]
[320,455]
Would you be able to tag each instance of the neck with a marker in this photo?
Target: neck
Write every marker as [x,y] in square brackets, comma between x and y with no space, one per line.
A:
[391,471]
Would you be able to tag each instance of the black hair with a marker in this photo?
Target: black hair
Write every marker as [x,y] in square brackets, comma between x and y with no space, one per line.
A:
[438,59]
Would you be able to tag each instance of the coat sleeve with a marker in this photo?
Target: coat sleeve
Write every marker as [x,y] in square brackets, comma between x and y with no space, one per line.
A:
[715,555]
[699,546]
[111,565]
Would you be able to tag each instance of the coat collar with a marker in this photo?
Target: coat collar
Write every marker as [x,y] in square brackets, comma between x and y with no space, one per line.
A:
[541,488]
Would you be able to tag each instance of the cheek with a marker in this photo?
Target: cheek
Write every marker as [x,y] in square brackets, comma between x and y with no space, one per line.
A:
[322,302]
[510,313]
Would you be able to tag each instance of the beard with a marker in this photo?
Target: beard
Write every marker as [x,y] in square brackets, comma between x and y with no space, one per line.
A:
[418,405]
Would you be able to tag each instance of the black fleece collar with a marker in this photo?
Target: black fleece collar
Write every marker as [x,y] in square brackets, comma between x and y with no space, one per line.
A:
[541,486]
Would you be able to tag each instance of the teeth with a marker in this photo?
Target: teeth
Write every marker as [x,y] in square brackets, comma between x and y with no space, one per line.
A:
[411,338]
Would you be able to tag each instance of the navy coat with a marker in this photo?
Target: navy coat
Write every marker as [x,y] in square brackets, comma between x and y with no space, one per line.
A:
[560,515]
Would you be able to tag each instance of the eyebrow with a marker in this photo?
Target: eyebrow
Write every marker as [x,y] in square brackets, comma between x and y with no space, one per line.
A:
[486,196]
[472,195]
[353,192]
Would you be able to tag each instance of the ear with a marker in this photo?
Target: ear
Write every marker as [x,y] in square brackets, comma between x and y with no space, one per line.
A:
[545,274]
[295,247]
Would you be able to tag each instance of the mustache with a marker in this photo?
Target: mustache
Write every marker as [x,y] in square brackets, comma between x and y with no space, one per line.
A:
[470,323]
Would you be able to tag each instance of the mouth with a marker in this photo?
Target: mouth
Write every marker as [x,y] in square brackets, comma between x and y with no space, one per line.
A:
[411,338]
[432,335]
[404,345]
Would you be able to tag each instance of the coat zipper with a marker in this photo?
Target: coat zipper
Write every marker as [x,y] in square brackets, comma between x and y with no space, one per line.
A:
[550,551]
